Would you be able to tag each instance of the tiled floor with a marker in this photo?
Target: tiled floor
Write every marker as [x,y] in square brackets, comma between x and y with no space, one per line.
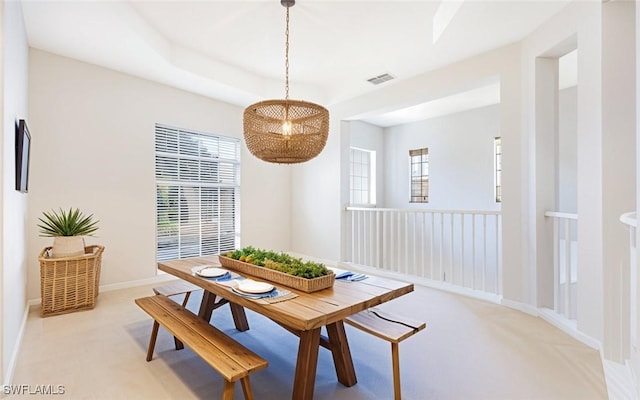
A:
[470,350]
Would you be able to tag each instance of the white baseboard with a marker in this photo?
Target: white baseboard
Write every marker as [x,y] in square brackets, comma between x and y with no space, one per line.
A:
[516,305]
[569,327]
[446,287]
[13,361]
[140,282]
[476,294]
[619,379]
[161,277]
[548,315]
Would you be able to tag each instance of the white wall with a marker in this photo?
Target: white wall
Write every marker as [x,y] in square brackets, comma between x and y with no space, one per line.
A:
[568,150]
[618,174]
[93,148]
[579,22]
[316,201]
[14,204]
[371,137]
[461,160]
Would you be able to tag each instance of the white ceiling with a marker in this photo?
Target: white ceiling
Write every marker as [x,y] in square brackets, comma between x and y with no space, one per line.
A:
[234,50]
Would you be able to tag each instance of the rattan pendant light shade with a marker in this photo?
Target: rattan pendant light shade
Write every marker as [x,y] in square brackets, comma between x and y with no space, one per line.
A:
[286,131]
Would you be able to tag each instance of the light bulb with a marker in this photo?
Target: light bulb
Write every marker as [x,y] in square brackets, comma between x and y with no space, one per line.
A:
[286,127]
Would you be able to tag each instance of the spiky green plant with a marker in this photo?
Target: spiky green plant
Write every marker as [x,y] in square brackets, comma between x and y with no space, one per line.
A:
[67,223]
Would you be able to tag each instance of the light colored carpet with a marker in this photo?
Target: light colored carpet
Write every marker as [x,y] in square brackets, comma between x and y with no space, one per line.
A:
[469,350]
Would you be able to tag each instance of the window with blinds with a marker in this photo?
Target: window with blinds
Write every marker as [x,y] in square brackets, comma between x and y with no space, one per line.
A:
[197,193]
[419,175]
[497,147]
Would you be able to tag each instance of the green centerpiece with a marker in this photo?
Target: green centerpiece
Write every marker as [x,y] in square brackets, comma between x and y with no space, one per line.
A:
[280,262]
[280,267]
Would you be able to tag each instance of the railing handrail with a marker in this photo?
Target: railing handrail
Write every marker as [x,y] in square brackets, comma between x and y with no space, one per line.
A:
[558,214]
[423,211]
[629,219]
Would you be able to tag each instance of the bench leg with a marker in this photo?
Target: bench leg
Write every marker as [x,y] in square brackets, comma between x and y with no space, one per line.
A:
[395,357]
[152,340]
[178,344]
[227,391]
[186,299]
[246,388]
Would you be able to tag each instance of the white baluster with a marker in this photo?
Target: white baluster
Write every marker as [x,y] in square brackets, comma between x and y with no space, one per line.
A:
[567,266]
[556,266]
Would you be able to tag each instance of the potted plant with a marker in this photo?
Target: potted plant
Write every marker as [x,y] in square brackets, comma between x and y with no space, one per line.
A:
[68,229]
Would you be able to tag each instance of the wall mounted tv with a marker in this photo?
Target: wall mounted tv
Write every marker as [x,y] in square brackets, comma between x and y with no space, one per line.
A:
[23,144]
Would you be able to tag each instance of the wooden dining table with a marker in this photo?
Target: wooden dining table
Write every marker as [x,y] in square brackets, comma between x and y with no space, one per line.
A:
[304,315]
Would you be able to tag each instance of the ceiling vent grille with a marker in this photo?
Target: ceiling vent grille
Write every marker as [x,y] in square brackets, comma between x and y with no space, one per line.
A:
[376,80]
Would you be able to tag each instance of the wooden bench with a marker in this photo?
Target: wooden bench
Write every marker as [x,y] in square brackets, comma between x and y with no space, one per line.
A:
[230,358]
[391,328]
[174,289]
[177,288]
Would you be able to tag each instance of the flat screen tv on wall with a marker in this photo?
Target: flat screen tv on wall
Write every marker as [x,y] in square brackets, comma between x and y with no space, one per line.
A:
[23,144]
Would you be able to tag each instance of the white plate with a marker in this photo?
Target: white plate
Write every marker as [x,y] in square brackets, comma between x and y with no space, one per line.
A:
[249,286]
[211,272]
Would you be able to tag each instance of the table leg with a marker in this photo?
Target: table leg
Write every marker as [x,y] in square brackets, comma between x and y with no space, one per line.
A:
[341,354]
[305,377]
[209,304]
[239,317]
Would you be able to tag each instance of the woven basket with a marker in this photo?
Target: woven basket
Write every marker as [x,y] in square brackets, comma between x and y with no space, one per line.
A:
[296,282]
[69,284]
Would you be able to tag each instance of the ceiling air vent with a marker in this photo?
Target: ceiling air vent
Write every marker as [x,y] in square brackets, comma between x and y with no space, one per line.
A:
[376,80]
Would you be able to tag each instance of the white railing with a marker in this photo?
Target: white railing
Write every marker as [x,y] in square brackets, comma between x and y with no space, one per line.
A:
[462,248]
[565,271]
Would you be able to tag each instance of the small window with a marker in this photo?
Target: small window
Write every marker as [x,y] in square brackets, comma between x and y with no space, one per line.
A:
[419,175]
[362,176]
[497,148]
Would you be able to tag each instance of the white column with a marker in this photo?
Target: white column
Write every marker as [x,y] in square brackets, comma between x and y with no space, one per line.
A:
[546,133]
[618,168]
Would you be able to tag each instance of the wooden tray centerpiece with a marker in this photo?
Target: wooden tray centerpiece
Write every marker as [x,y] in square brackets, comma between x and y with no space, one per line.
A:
[282,268]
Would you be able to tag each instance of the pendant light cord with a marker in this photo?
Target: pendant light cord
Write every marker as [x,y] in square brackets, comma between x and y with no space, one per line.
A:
[285,131]
[286,57]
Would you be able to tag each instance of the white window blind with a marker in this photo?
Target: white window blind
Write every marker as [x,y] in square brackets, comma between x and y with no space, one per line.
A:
[197,193]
